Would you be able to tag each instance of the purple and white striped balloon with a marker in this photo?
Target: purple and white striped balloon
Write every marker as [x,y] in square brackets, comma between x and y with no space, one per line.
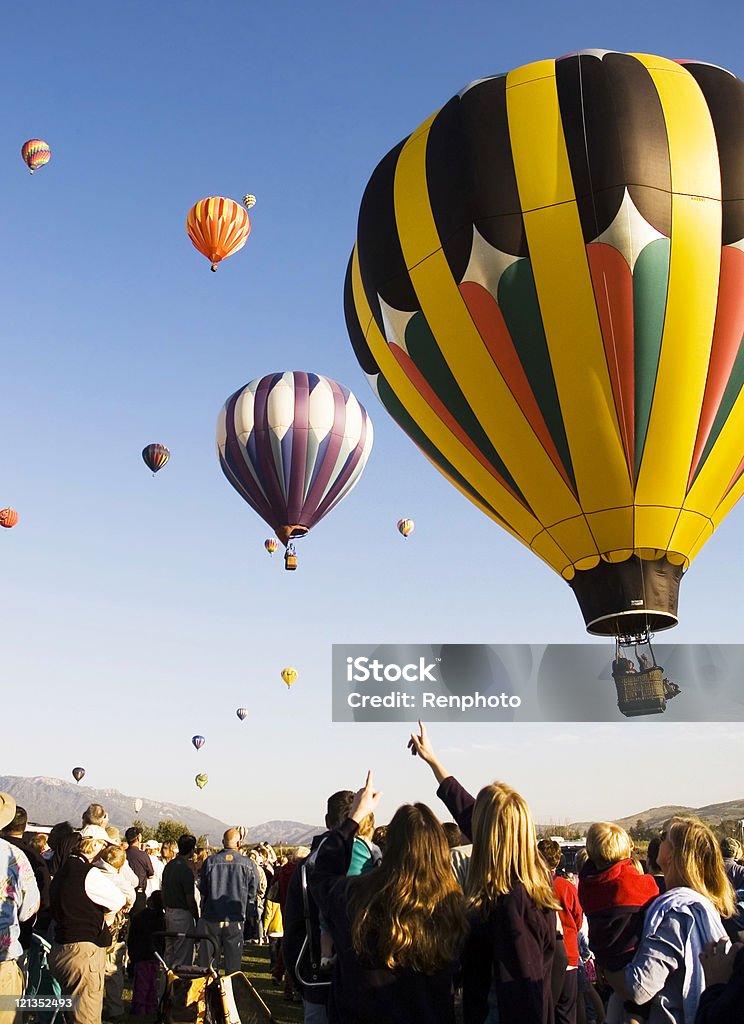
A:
[293,445]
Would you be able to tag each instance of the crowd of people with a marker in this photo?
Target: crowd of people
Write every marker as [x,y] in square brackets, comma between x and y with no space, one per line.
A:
[91,905]
[415,921]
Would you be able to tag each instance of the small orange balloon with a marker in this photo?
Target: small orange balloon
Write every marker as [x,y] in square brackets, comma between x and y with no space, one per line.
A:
[218,227]
[8,517]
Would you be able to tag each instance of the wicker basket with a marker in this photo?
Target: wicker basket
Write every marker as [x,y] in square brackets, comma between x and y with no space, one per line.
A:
[641,693]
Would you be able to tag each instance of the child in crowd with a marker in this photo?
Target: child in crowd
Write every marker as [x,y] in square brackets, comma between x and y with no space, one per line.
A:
[615,897]
[142,945]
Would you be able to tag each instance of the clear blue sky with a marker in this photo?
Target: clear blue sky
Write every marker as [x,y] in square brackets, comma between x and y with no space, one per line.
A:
[138,611]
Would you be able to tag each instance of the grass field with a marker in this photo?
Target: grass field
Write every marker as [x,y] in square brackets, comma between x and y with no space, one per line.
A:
[256,966]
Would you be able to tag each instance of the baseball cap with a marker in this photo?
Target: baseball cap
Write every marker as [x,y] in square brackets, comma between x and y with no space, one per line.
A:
[152,844]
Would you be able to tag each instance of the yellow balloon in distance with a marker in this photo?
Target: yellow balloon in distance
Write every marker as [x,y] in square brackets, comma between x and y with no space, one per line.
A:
[289,675]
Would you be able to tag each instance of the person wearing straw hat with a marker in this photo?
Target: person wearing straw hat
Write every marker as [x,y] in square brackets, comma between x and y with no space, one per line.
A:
[19,901]
[14,832]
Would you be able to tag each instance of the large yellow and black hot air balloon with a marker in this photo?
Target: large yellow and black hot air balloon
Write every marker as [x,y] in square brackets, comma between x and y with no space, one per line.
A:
[547,294]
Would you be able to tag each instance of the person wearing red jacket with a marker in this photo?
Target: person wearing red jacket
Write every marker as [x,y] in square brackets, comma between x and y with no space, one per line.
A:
[572,917]
[615,896]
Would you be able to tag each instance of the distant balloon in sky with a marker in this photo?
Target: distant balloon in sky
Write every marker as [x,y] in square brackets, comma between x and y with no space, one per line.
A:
[289,675]
[547,294]
[137,805]
[155,456]
[271,545]
[293,445]
[249,201]
[198,741]
[242,713]
[406,527]
[201,779]
[78,774]
[218,228]
[35,154]
[8,517]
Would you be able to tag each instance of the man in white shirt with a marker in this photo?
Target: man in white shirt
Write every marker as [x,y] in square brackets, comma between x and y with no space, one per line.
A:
[82,898]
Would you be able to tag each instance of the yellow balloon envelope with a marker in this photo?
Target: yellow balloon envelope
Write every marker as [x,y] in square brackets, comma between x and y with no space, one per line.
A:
[547,294]
[289,675]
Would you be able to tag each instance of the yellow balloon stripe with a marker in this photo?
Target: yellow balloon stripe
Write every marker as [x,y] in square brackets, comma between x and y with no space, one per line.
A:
[725,506]
[720,466]
[471,365]
[692,294]
[729,501]
[523,524]
[531,73]
[567,304]
[687,530]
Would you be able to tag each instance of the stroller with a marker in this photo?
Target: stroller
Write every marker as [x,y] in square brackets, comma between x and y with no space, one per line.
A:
[199,995]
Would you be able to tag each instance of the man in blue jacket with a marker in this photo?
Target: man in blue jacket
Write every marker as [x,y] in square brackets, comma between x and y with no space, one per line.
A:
[227,882]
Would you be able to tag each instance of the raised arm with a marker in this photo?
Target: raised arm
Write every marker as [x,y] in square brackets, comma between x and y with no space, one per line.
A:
[457,799]
[422,746]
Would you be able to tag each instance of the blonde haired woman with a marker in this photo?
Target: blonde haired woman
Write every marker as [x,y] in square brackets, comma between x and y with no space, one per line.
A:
[398,930]
[508,958]
[666,970]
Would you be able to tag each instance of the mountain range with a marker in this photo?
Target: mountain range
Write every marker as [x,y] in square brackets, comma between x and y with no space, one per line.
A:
[655,817]
[49,800]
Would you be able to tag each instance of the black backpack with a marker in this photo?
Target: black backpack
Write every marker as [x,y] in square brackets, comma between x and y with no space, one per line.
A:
[307,969]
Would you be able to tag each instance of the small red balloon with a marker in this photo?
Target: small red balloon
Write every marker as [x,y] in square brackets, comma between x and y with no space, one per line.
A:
[8,517]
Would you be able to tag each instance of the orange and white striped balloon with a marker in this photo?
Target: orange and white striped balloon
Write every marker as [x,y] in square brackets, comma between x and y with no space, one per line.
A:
[218,227]
[8,517]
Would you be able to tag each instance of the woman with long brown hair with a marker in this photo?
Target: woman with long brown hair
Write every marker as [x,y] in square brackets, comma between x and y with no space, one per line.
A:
[509,954]
[666,970]
[397,930]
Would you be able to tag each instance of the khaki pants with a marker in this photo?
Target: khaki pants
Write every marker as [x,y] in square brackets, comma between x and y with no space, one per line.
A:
[11,987]
[114,980]
[79,968]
